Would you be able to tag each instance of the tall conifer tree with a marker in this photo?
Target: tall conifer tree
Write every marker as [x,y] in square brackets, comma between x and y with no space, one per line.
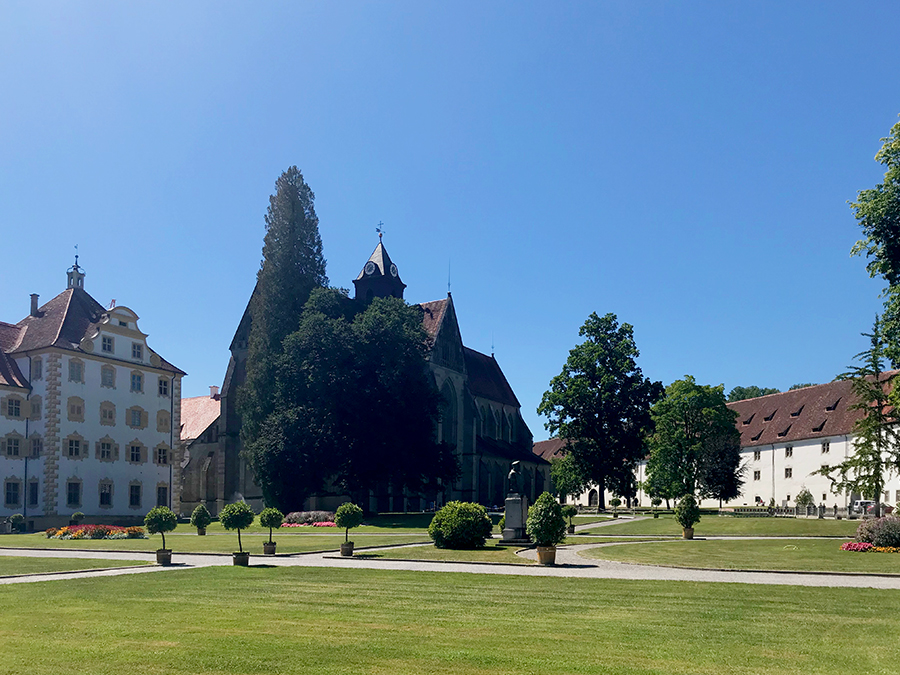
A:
[291,268]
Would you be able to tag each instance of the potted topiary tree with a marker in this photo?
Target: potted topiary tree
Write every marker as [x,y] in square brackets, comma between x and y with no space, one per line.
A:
[655,502]
[615,502]
[348,515]
[201,519]
[271,518]
[687,513]
[18,522]
[546,526]
[238,516]
[569,511]
[160,520]
[76,518]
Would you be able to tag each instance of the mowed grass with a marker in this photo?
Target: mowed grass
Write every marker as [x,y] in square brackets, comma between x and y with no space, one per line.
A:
[287,543]
[17,565]
[811,555]
[489,553]
[335,621]
[710,525]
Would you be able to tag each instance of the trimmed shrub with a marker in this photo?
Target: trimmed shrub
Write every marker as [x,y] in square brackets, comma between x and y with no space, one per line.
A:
[545,524]
[238,516]
[78,516]
[271,518]
[502,523]
[569,511]
[687,513]
[880,532]
[159,520]
[200,518]
[460,525]
[348,515]
[18,522]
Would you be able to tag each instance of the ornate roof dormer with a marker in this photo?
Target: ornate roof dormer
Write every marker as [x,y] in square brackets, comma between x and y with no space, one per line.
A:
[379,277]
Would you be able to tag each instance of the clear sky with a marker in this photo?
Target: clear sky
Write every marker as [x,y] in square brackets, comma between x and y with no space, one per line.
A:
[685,166]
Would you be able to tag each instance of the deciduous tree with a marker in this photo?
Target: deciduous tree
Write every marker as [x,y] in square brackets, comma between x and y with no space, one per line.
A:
[742,393]
[695,447]
[600,403]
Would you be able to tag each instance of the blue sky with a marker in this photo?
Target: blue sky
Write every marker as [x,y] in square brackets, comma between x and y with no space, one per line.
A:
[685,166]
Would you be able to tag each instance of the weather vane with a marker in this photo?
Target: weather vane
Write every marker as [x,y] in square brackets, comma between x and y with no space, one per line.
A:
[380,230]
[76,256]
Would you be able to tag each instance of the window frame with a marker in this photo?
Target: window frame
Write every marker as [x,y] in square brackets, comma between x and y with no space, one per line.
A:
[110,341]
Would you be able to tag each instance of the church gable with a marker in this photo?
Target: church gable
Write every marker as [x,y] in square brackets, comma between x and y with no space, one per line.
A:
[447,349]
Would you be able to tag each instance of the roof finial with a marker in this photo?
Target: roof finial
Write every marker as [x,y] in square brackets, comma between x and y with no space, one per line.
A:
[448,276]
[76,256]
[380,230]
[492,344]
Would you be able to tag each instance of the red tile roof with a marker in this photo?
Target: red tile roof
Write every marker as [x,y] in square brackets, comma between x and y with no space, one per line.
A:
[63,322]
[551,449]
[197,413]
[812,412]
[433,316]
[486,379]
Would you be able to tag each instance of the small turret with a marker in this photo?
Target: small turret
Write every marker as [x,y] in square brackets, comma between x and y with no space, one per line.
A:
[75,276]
[379,277]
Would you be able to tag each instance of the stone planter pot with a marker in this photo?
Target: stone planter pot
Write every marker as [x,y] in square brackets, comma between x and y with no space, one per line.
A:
[656,515]
[201,531]
[615,515]
[687,533]
[269,547]
[163,556]
[347,549]
[546,555]
[240,559]
[570,529]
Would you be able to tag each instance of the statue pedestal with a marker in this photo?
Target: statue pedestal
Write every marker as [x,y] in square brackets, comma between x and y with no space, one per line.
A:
[516,515]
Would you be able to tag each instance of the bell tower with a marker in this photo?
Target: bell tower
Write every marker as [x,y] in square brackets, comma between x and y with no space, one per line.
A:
[379,277]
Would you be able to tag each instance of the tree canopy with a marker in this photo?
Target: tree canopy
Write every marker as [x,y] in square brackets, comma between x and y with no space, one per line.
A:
[600,403]
[695,447]
[742,393]
[567,479]
[877,211]
[355,405]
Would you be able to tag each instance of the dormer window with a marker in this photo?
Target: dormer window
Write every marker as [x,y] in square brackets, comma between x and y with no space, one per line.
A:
[797,412]
[784,433]
[819,428]
[756,438]
[748,420]
[769,418]
[830,408]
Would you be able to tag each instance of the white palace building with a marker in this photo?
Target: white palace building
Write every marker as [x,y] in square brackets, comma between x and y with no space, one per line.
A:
[87,414]
[784,438]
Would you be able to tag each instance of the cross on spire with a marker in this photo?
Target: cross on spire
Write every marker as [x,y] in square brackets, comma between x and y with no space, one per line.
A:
[380,230]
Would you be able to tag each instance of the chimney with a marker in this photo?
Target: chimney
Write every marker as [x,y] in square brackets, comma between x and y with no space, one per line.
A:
[214,392]
[34,304]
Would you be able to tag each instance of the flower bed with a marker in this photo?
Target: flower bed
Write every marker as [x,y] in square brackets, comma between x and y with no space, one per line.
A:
[324,523]
[96,532]
[857,546]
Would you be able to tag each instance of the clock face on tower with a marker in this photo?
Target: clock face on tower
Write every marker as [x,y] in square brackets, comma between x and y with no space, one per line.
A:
[393,270]
[370,268]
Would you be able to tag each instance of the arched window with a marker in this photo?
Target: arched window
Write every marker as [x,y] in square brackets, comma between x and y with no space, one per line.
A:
[504,427]
[593,498]
[449,417]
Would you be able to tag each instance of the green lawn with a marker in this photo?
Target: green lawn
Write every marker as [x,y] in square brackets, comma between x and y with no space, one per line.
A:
[489,553]
[334,621]
[814,555]
[13,565]
[191,543]
[725,525]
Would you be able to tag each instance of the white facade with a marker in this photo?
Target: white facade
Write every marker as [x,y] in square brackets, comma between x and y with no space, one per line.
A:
[95,427]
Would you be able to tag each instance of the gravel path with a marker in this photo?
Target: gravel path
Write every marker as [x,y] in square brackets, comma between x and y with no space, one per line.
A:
[570,564]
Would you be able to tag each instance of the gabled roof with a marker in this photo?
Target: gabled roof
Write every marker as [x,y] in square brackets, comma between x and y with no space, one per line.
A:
[550,449]
[819,411]
[62,322]
[433,315]
[197,414]
[486,379]
[10,375]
